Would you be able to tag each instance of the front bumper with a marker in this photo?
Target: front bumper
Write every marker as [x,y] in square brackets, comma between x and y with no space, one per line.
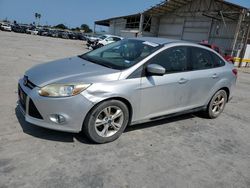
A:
[73,109]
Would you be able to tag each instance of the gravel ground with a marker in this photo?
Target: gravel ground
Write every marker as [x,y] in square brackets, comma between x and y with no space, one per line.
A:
[185,151]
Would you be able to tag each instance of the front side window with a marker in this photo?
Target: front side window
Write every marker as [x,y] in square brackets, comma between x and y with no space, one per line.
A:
[174,59]
[122,54]
[201,59]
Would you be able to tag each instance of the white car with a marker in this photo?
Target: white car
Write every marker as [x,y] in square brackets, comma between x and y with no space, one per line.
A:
[32,31]
[5,27]
[92,38]
[107,39]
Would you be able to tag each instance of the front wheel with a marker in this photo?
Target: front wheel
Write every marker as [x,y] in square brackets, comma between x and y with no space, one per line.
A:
[217,104]
[106,122]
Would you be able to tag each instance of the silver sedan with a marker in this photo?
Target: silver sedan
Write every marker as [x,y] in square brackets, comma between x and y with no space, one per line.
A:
[125,83]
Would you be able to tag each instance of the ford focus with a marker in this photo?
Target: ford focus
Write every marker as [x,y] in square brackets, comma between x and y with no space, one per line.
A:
[124,83]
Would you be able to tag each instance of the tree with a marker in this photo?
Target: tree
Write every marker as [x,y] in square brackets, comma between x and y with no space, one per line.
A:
[86,28]
[38,16]
[75,29]
[61,26]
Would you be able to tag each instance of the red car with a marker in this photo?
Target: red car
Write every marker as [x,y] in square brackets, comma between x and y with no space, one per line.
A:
[227,57]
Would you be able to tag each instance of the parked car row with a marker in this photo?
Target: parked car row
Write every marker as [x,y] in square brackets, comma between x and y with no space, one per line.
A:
[62,34]
[42,31]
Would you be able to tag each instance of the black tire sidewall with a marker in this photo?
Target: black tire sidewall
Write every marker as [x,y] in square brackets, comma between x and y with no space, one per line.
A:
[89,128]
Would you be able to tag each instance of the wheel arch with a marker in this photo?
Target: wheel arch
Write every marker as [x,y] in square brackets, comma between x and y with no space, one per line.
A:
[227,91]
[125,101]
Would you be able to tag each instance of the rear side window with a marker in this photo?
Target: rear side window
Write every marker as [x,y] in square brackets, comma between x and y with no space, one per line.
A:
[218,62]
[201,59]
[174,59]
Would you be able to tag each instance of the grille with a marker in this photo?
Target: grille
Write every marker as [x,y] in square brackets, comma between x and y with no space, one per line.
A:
[33,112]
[22,97]
[30,85]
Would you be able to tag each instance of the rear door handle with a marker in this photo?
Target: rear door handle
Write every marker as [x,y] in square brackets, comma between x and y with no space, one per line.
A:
[215,75]
[183,81]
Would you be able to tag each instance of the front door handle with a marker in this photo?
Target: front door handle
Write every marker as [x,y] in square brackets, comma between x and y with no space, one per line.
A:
[215,75]
[183,81]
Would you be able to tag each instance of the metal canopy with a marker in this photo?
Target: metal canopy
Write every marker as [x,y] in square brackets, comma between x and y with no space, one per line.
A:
[220,11]
[107,21]
[230,10]
[167,7]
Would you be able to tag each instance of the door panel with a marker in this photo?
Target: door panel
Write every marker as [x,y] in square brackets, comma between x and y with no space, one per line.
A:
[201,82]
[204,76]
[161,95]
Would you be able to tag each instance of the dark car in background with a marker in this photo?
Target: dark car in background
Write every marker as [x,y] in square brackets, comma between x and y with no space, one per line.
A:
[43,32]
[53,33]
[81,36]
[65,35]
[60,33]
[72,35]
[19,29]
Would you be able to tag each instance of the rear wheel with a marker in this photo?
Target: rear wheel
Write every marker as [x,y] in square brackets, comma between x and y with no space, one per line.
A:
[217,104]
[106,122]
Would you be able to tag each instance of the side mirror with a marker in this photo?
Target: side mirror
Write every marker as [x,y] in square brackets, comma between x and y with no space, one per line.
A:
[154,69]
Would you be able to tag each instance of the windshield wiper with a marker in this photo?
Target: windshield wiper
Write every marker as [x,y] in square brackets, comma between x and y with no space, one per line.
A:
[86,58]
[95,61]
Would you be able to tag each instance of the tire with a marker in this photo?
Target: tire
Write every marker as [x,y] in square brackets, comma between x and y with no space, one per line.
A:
[106,121]
[216,104]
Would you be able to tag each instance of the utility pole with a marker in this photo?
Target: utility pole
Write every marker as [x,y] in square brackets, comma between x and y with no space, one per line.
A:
[141,24]
[241,17]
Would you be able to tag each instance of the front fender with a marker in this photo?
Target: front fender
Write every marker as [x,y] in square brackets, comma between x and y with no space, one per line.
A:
[128,89]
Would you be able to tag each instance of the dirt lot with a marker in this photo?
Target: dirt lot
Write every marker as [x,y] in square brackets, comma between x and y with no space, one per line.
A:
[187,151]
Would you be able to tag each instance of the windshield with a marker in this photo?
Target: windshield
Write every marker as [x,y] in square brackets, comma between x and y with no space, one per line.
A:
[102,37]
[122,54]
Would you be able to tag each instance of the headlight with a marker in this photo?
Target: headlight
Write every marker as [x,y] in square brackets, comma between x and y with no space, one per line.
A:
[62,90]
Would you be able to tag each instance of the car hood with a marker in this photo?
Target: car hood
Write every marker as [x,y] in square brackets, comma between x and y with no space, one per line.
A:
[70,70]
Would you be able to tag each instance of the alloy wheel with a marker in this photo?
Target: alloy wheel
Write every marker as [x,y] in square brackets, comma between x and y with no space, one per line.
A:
[218,104]
[109,121]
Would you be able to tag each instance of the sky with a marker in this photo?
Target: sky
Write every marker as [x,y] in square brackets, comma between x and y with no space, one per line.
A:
[76,12]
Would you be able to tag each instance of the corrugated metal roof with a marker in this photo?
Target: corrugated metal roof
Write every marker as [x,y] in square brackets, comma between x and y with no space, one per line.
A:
[169,6]
[106,22]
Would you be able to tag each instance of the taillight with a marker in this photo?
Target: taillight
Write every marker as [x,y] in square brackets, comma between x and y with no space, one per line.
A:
[235,72]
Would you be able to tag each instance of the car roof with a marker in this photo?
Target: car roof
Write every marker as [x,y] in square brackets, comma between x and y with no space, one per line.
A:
[165,41]
[107,35]
[158,40]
